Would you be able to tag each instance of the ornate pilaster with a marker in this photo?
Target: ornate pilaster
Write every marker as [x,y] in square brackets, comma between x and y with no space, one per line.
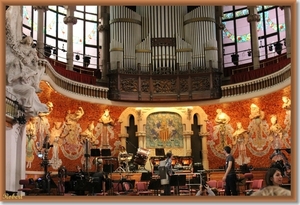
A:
[253,18]
[40,28]
[141,138]
[187,142]
[70,20]
[204,150]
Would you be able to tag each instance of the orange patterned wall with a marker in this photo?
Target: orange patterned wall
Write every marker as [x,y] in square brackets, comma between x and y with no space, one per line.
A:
[240,111]
[237,111]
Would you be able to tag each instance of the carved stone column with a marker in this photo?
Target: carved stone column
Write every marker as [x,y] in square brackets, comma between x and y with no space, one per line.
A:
[253,18]
[187,139]
[287,17]
[15,156]
[70,20]
[40,29]
[103,28]
[141,139]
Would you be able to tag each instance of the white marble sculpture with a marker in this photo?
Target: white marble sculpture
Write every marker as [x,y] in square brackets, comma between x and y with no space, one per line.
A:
[23,74]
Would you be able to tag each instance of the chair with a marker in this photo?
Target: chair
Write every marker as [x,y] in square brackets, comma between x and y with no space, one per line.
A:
[27,186]
[212,183]
[248,177]
[117,188]
[257,184]
[221,187]
[184,190]
[142,188]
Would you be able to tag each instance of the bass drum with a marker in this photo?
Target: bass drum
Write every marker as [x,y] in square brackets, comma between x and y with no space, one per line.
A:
[141,156]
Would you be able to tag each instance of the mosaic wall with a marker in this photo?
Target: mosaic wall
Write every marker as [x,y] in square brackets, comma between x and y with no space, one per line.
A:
[254,128]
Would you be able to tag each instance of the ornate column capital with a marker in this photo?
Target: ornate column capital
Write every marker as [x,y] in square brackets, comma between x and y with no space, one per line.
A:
[140,134]
[221,26]
[102,28]
[253,17]
[123,135]
[44,8]
[187,133]
[70,19]
[282,7]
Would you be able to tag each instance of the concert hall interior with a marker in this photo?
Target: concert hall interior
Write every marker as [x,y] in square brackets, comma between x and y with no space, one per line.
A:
[96,96]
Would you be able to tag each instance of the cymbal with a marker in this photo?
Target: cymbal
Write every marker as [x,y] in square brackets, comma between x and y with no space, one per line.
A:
[126,155]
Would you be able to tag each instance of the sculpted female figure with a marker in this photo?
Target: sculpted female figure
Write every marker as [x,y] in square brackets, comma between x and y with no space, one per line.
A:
[240,137]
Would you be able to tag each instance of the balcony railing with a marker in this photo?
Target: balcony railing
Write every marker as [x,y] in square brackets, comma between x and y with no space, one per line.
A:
[98,92]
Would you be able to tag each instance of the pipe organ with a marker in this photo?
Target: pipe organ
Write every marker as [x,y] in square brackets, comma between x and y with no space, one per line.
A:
[162,40]
[163,36]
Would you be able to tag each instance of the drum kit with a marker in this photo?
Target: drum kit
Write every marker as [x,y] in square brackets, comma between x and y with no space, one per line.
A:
[139,159]
[124,159]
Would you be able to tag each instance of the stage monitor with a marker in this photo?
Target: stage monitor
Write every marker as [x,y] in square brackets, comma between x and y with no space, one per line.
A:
[198,167]
[105,152]
[159,151]
[95,152]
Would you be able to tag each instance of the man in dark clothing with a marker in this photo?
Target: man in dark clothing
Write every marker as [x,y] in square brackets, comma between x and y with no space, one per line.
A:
[167,171]
[229,177]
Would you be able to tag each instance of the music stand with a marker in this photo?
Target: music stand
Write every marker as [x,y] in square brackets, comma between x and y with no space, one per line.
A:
[154,184]
[95,152]
[159,151]
[105,152]
[108,168]
[177,180]
[146,176]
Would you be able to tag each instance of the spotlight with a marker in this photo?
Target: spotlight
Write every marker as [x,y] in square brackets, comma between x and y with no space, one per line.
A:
[40,155]
[55,51]
[278,47]
[249,53]
[86,60]
[235,59]
[47,51]
[270,48]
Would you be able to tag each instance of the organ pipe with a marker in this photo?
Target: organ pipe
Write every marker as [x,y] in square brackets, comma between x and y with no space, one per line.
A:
[145,37]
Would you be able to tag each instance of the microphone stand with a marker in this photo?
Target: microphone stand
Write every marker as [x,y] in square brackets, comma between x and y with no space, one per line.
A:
[131,144]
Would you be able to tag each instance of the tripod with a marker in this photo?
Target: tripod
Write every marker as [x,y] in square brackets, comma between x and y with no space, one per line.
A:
[120,168]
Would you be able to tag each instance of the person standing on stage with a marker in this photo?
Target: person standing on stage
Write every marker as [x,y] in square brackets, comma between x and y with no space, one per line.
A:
[169,172]
[229,177]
